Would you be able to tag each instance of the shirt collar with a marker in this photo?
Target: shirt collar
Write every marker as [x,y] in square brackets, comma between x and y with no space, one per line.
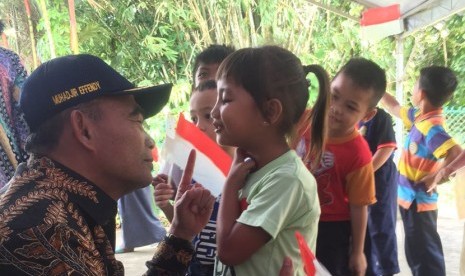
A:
[434,113]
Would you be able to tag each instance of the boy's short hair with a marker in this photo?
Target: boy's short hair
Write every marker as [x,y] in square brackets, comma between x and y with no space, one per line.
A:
[205,85]
[215,53]
[438,83]
[366,74]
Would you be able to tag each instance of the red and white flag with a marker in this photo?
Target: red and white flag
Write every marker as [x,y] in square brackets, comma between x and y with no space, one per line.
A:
[212,163]
[378,23]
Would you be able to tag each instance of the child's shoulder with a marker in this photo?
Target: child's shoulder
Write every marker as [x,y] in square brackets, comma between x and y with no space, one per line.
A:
[433,120]
[354,140]
[354,150]
[361,147]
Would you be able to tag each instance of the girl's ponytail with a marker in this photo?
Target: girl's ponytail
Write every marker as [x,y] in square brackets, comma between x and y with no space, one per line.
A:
[317,119]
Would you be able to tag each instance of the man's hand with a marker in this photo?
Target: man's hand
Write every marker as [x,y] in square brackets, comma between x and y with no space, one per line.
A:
[193,205]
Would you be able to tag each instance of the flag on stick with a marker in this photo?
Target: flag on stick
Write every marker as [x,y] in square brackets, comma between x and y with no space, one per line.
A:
[378,23]
[212,163]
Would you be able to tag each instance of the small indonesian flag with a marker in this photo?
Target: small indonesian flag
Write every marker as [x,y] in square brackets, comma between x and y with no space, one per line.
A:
[378,23]
[212,162]
[311,265]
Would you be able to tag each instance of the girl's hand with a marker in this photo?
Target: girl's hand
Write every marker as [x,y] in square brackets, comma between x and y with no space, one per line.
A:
[242,165]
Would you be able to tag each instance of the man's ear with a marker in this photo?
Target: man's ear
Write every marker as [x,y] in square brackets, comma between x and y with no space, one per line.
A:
[82,128]
[370,114]
[274,110]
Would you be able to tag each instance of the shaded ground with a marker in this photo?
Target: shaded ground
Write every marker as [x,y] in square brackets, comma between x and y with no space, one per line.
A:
[450,229]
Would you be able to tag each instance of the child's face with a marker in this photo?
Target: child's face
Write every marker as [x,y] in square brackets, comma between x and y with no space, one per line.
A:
[205,72]
[349,104]
[236,116]
[201,104]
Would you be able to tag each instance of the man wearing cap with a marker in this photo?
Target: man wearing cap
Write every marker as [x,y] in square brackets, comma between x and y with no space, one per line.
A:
[88,148]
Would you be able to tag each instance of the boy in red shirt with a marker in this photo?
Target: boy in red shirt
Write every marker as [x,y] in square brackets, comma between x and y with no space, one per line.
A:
[345,176]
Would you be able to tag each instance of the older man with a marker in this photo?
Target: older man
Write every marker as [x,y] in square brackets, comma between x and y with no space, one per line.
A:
[88,148]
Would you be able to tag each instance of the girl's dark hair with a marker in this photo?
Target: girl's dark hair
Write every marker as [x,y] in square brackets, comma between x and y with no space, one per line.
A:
[316,120]
[271,72]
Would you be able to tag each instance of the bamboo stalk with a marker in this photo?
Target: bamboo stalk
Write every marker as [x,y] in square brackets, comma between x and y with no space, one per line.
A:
[202,24]
[238,29]
[253,32]
[15,27]
[48,28]
[73,27]
[31,34]
[444,49]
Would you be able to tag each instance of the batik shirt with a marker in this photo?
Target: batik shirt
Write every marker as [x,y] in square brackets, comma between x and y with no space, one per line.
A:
[55,222]
[13,129]
[426,143]
[49,224]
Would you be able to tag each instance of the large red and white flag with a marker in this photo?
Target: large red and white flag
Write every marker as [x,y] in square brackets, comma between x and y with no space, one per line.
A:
[212,162]
[378,23]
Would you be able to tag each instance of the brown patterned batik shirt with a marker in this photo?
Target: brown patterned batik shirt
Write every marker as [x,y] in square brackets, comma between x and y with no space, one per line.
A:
[55,222]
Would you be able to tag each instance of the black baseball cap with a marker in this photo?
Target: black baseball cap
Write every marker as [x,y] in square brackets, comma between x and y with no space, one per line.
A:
[67,81]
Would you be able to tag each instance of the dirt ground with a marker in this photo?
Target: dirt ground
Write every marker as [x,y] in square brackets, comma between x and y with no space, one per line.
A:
[450,229]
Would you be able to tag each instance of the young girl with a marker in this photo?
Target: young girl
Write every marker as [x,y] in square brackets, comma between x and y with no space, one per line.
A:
[269,193]
[201,102]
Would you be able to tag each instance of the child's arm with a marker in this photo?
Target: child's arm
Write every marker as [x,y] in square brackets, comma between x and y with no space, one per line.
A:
[391,104]
[163,193]
[453,166]
[236,242]
[381,156]
[359,218]
[360,187]
[454,159]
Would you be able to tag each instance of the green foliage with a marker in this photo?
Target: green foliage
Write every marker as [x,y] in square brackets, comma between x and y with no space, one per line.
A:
[153,42]
[58,15]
